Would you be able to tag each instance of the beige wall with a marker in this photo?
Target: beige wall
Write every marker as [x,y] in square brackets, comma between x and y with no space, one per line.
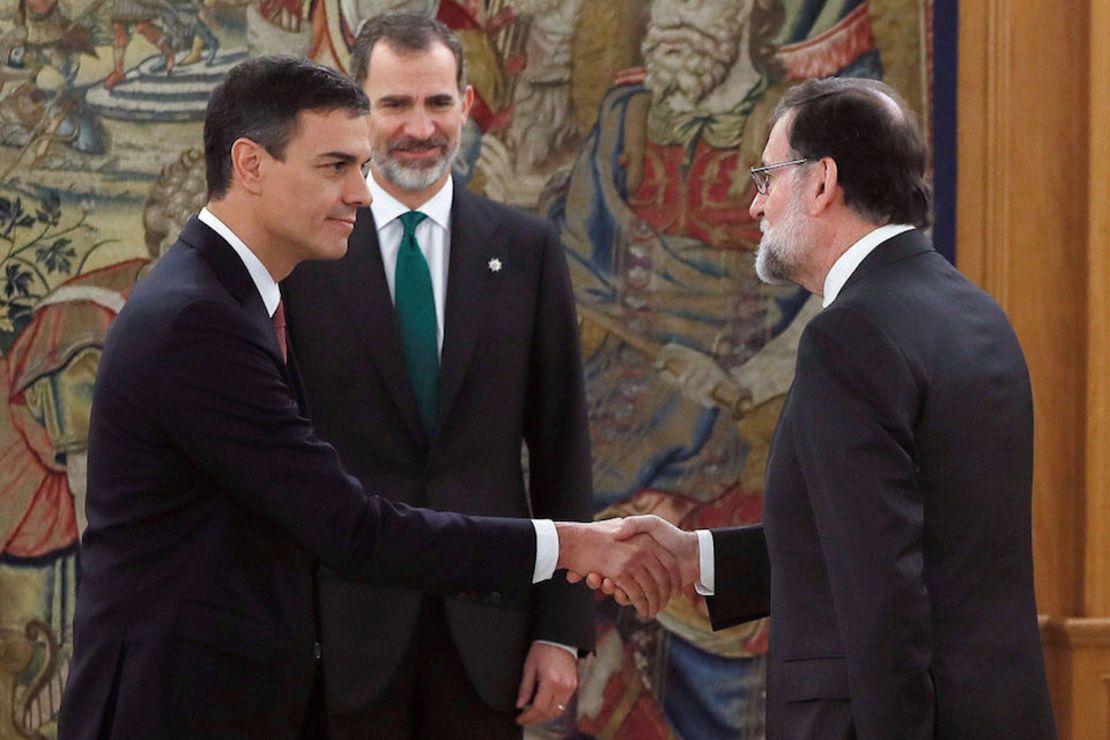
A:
[1034,229]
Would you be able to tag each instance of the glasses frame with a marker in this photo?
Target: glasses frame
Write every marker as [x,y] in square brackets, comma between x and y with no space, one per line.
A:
[762,179]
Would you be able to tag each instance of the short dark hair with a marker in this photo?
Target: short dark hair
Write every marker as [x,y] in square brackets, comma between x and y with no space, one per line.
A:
[880,152]
[411,32]
[262,99]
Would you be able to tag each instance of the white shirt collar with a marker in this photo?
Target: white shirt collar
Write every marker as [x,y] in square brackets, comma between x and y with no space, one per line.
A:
[386,208]
[847,263]
[263,280]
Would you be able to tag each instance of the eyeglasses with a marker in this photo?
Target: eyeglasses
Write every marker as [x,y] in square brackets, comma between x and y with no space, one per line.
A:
[761,176]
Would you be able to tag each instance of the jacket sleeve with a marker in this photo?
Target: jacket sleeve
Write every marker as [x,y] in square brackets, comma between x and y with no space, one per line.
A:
[856,452]
[225,400]
[742,575]
[557,434]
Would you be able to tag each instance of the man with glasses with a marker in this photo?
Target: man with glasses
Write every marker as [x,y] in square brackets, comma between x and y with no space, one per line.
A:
[895,550]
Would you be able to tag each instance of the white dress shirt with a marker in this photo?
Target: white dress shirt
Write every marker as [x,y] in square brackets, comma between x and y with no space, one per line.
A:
[847,263]
[839,273]
[263,280]
[547,539]
[433,234]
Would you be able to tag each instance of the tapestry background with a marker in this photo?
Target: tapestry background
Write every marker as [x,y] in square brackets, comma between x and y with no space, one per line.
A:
[588,113]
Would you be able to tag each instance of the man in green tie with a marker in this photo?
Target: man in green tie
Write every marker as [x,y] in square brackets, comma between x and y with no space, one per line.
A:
[441,344]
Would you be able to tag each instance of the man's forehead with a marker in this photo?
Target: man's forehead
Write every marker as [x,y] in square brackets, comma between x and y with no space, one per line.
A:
[778,142]
[437,58]
[340,129]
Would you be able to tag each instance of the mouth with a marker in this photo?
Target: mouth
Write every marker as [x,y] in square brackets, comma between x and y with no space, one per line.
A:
[418,150]
[345,221]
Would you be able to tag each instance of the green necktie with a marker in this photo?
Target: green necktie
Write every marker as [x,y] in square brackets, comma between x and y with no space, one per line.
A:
[416,310]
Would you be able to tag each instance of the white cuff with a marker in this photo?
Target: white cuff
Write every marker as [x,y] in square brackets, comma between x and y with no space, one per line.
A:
[572,650]
[706,580]
[547,551]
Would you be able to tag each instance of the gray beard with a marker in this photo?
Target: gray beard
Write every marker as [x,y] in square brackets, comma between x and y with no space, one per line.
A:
[411,178]
[777,258]
[770,264]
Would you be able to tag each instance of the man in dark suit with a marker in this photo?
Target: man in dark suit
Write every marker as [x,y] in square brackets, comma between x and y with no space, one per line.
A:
[504,359]
[895,554]
[210,498]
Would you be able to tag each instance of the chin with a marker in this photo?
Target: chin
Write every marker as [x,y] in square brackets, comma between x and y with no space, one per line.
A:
[329,251]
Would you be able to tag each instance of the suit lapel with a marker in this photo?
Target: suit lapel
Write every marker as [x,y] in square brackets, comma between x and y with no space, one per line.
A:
[359,280]
[234,276]
[472,287]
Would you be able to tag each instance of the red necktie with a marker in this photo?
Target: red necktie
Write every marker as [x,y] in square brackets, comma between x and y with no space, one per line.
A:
[279,329]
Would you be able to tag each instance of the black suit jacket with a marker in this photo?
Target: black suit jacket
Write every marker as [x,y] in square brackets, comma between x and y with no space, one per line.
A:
[510,373]
[897,519]
[209,496]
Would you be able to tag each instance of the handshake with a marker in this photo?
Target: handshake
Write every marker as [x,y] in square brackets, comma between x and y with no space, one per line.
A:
[639,560]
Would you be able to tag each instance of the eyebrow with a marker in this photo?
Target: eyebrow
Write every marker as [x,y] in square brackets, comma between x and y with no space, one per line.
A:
[436,98]
[342,156]
[395,99]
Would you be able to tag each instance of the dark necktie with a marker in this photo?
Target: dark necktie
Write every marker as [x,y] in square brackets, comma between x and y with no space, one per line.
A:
[416,312]
[279,329]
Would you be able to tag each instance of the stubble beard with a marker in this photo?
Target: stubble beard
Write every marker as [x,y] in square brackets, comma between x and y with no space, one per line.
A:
[414,177]
[778,258]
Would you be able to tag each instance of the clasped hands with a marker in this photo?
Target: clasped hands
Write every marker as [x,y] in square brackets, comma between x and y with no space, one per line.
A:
[639,560]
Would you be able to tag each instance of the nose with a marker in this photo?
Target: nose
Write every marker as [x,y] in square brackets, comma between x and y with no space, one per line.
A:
[358,192]
[419,124]
[756,208]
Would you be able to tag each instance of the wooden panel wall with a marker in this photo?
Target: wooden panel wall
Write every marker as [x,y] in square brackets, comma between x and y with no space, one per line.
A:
[1033,228]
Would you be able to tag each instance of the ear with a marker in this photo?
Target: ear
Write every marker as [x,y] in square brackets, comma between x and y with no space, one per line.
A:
[248,164]
[826,186]
[467,101]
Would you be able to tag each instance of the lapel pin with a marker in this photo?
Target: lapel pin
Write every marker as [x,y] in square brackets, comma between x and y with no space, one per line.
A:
[495,265]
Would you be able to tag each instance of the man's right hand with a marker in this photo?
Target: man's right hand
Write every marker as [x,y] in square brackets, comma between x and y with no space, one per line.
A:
[644,572]
[681,545]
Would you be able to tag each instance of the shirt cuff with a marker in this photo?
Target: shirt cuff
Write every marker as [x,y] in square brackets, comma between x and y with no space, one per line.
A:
[572,650]
[707,580]
[547,550]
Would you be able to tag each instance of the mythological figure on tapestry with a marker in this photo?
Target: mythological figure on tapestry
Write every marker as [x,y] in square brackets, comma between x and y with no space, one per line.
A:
[43,37]
[687,354]
[129,16]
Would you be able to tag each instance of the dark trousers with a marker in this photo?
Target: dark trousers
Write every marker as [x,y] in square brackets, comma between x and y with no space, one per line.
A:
[430,697]
[315,720]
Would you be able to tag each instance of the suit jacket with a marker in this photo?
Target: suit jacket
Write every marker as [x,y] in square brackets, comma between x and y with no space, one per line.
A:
[897,516]
[510,372]
[209,496]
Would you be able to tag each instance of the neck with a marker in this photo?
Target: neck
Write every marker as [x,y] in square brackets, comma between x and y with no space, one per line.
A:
[413,199]
[837,240]
[236,211]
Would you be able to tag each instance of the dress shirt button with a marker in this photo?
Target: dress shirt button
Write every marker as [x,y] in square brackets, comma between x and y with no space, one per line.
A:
[316,650]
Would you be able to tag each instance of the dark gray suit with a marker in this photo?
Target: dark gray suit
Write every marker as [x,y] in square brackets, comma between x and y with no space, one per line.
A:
[510,374]
[898,558]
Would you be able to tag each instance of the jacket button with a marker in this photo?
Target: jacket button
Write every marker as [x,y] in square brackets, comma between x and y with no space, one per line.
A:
[495,598]
[316,650]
